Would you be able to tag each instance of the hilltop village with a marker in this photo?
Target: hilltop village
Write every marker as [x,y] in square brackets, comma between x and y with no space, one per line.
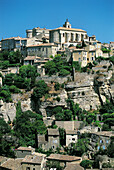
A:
[56,101]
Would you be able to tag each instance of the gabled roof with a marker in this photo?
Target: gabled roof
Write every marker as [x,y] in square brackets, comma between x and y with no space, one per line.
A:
[30,58]
[25,148]
[66,158]
[69,29]
[53,132]
[12,164]
[42,45]
[32,159]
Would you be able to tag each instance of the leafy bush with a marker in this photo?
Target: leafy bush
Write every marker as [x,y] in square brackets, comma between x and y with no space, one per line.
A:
[14,89]
[64,72]
[57,86]
[86,164]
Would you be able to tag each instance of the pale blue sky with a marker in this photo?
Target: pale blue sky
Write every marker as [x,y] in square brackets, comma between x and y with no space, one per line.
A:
[94,16]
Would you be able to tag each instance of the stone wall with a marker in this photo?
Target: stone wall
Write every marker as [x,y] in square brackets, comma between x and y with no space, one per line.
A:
[7,111]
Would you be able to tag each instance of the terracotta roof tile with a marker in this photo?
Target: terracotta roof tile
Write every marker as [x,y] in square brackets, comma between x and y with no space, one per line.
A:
[63,157]
[30,58]
[69,29]
[32,159]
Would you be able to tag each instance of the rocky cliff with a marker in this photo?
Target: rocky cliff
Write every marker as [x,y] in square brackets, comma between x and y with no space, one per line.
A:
[89,90]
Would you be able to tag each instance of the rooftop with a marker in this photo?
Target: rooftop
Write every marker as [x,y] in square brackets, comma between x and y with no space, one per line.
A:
[71,166]
[60,157]
[30,58]
[104,133]
[12,164]
[32,159]
[53,132]
[15,38]
[25,148]
[69,29]
[42,45]
[71,132]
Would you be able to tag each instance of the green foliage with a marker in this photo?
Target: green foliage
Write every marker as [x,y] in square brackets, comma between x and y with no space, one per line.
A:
[5,94]
[112,59]
[14,57]
[57,86]
[105,50]
[106,165]
[5,146]
[26,127]
[77,65]
[90,118]
[54,164]
[14,89]
[57,65]
[58,99]
[110,149]
[40,90]
[8,79]
[79,148]
[108,107]
[62,135]
[86,164]
[4,64]
[64,72]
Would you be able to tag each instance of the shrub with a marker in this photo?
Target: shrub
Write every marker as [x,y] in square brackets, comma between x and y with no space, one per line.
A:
[86,164]
[14,89]
[58,99]
[63,72]
[57,86]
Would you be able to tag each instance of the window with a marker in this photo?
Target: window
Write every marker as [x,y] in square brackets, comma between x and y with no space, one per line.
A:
[73,139]
[27,168]
[79,59]
[63,34]
[92,53]
[79,52]
[107,141]
[103,147]
[100,141]
[92,58]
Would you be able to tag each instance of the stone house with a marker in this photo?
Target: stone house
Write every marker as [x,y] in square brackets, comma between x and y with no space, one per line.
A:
[51,140]
[64,159]
[71,137]
[21,152]
[69,125]
[66,35]
[11,164]
[80,55]
[14,43]
[37,32]
[102,139]
[33,162]
[29,60]
[42,50]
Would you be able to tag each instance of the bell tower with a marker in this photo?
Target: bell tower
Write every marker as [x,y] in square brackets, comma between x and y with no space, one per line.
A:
[67,24]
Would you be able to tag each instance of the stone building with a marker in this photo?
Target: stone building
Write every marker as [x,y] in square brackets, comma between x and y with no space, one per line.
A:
[80,55]
[102,138]
[64,159]
[21,152]
[14,43]
[37,32]
[71,137]
[66,35]
[49,141]
[42,50]
[33,162]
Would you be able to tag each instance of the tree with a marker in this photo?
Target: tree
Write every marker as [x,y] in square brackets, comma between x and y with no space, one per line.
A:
[54,164]
[14,57]
[5,146]
[86,164]
[5,94]
[26,127]
[9,79]
[62,135]
[40,90]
